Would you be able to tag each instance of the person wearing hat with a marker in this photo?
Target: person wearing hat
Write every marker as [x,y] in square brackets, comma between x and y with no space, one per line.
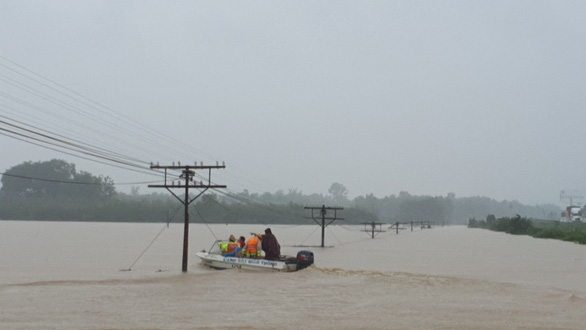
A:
[270,245]
[228,247]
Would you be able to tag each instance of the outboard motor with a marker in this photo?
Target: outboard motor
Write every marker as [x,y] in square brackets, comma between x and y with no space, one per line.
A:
[304,259]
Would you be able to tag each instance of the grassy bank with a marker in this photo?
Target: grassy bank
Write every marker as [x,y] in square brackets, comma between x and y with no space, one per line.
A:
[571,232]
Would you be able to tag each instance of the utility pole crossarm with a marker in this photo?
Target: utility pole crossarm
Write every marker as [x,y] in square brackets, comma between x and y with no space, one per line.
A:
[323,211]
[373,228]
[185,182]
[199,186]
[572,196]
[187,176]
[182,167]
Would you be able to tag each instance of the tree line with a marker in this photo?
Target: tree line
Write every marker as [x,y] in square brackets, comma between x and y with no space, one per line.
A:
[56,190]
[518,225]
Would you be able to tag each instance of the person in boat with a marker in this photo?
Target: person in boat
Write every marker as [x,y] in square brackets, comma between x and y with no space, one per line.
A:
[270,245]
[228,247]
[241,249]
[238,251]
[241,242]
[252,248]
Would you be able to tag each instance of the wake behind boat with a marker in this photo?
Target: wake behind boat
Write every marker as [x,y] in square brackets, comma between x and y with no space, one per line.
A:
[215,259]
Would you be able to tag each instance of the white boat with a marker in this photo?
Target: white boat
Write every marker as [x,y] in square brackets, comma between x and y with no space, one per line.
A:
[215,259]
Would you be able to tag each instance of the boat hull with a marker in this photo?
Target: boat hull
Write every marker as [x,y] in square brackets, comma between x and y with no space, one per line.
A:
[221,262]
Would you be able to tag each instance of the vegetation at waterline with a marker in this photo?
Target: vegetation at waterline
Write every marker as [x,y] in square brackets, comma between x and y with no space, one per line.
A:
[56,190]
[571,232]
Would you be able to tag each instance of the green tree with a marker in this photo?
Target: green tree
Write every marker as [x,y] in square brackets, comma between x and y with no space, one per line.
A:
[54,178]
[339,193]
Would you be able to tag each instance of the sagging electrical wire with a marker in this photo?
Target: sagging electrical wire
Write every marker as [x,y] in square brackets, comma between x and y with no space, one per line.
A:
[151,243]
[45,90]
[74,182]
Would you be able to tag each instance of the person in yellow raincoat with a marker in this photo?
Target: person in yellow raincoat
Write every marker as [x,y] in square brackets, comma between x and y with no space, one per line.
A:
[228,247]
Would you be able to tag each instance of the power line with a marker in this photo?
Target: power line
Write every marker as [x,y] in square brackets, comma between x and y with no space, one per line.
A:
[82,157]
[88,147]
[72,182]
[52,92]
[77,97]
[93,154]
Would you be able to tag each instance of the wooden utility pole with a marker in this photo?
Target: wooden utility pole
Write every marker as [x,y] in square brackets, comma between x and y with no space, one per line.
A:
[396,226]
[323,213]
[373,227]
[185,182]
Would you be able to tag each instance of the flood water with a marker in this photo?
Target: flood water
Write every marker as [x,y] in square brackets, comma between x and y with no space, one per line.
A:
[73,275]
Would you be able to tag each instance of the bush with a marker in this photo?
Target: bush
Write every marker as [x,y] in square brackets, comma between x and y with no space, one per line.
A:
[571,232]
[576,237]
[549,233]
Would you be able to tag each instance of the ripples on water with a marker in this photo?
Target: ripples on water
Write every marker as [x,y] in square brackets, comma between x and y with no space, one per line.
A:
[68,275]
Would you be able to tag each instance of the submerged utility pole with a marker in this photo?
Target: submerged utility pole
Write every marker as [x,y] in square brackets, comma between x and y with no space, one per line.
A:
[185,182]
[323,213]
[373,227]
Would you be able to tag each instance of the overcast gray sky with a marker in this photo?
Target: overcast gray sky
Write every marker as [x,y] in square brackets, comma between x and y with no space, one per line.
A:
[478,98]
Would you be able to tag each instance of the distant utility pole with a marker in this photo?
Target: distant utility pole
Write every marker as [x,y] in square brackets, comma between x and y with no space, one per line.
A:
[573,196]
[323,211]
[188,172]
[373,227]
